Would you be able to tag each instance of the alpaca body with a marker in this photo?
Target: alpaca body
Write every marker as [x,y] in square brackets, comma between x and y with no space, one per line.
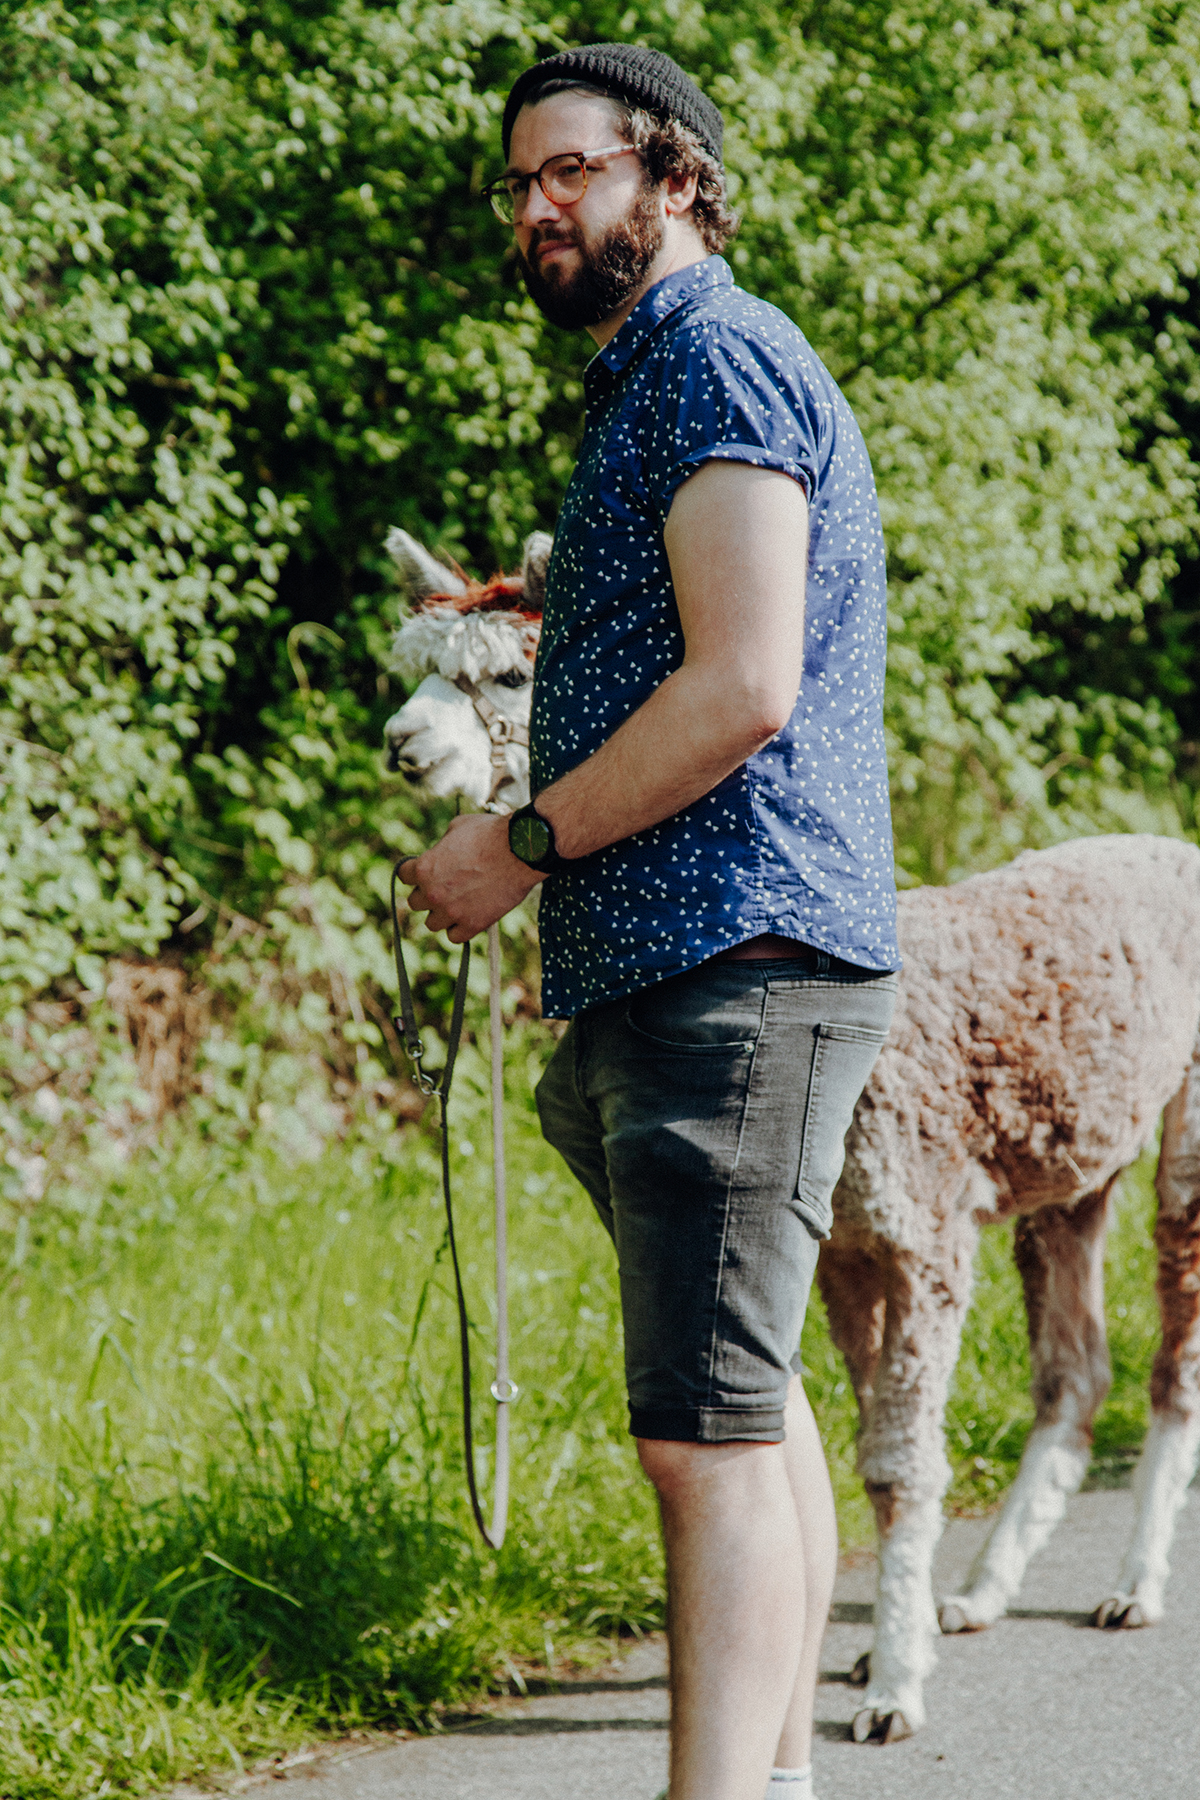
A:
[1049,1012]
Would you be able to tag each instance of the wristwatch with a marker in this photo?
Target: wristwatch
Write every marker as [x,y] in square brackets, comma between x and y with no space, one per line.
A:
[531,839]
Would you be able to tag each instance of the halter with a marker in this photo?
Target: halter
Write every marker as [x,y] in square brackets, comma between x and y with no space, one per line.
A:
[501,733]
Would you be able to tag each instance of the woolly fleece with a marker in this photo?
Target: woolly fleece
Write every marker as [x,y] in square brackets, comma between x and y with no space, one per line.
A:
[1047,1013]
[477,645]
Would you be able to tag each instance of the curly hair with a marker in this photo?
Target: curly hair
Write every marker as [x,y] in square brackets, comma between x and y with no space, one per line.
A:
[667,148]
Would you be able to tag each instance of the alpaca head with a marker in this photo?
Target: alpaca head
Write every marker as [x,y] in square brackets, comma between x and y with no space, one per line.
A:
[470,645]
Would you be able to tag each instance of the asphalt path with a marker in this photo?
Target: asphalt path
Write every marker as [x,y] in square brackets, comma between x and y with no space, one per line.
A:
[1041,1707]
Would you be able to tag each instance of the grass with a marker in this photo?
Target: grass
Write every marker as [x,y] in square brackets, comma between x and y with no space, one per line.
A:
[234,1509]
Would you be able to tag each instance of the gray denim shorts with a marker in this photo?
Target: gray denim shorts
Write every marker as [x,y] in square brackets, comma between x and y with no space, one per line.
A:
[706,1117]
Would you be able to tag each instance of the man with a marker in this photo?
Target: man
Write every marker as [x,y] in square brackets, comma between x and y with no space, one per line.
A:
[710,819]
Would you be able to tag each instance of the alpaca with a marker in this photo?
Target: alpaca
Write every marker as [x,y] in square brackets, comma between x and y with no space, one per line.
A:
[470,646]
[1048,1016]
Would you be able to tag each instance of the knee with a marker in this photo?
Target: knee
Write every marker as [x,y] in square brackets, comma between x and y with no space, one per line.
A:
[685,1472]
[670,1466]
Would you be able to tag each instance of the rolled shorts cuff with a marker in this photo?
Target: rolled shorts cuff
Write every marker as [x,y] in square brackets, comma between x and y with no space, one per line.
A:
[708,1424]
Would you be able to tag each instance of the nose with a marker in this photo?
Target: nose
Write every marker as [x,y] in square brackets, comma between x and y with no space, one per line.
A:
[538,209]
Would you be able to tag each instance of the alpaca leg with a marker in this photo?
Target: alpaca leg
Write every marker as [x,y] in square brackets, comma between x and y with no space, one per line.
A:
[902,1460]
[852,1287]
[902,1655]
[1060,1253]
[855,1294]
[1168,1458]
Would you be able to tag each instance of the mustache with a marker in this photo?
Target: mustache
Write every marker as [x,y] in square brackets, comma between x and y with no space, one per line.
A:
[552,234]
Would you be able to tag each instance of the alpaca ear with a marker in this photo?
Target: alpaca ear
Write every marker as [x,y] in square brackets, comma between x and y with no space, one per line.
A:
[538,546]
[422,573]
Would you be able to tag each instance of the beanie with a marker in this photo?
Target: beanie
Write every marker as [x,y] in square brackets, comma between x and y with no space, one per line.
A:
[641,76]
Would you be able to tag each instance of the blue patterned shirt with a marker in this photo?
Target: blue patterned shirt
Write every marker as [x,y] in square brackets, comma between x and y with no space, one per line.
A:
[798,840]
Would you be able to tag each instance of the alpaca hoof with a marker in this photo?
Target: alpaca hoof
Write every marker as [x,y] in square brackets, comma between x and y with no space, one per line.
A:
[874,1727]
[953,1616]
[860,1674]
[1121,1613]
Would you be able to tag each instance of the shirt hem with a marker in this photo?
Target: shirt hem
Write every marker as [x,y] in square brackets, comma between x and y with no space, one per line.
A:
[856,955]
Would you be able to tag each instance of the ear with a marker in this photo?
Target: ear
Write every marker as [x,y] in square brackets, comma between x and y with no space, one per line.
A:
[680,194]
[538,546]
[422,573]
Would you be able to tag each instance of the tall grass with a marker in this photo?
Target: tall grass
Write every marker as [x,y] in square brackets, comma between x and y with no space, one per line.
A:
[233,1496]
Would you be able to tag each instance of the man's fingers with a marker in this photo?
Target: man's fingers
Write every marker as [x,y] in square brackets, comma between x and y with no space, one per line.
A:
[441,920]
[462,883]
[440,916]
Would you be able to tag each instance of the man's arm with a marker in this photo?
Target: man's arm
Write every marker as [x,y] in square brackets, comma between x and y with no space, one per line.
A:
[737,543]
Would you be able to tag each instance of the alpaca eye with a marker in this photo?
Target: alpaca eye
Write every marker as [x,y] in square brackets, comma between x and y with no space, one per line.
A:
[512,678]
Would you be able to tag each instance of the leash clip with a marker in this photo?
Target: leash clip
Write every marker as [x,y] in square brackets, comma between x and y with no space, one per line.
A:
[504,1392]
[414,1049]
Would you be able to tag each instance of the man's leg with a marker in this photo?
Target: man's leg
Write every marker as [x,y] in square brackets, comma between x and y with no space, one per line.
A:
[736,1595]
[678,1109]
[808,1474]
[751,1543]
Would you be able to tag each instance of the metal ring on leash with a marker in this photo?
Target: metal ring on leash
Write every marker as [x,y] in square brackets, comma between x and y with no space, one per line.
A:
[503,1391]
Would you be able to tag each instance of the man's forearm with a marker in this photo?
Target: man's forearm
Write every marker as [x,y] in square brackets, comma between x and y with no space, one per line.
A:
[692,732]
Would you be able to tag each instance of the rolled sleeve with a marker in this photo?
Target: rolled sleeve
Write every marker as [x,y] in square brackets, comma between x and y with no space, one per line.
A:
[756,455]
[730,399]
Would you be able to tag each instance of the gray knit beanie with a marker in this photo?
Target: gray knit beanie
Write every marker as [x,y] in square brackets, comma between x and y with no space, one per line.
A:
[641,76]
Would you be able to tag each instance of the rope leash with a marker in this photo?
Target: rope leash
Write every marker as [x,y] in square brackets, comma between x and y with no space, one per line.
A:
[503,1391]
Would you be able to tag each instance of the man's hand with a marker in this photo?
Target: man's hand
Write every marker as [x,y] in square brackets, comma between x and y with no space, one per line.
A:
[468,880]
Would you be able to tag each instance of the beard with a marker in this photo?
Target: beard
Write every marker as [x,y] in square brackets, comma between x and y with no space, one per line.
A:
[610,270]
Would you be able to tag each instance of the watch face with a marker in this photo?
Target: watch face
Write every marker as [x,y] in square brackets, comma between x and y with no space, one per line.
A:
[529,838]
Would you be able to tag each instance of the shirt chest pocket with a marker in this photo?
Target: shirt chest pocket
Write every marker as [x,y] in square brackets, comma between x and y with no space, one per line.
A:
[843,1057]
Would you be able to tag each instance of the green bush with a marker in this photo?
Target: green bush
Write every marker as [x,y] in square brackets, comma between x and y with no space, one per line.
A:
[254,313]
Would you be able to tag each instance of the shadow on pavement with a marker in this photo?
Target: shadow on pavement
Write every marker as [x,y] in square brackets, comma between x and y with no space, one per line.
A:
[551,1727]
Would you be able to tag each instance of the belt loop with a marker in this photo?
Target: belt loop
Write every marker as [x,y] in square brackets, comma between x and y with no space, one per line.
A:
[822,962]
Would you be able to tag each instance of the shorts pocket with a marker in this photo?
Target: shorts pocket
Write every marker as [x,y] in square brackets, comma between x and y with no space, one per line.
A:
[696,1014]
[843,1057]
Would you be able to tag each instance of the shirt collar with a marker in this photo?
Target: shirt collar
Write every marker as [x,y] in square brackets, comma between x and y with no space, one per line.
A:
[665,298]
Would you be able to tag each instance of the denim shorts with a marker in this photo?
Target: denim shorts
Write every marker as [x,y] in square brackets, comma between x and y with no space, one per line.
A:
[706,1117]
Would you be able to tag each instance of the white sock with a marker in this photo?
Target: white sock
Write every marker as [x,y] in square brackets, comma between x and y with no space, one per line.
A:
[785,1784]
[790,1784]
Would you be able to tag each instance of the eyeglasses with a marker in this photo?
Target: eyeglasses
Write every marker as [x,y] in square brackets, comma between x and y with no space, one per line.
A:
[563,180]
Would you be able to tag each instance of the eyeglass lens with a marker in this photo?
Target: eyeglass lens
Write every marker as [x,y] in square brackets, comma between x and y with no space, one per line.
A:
[562,180]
